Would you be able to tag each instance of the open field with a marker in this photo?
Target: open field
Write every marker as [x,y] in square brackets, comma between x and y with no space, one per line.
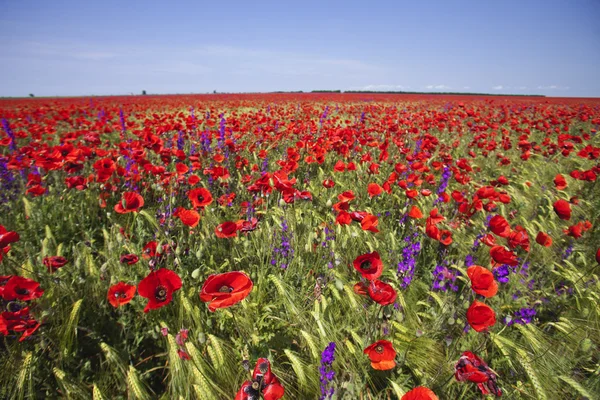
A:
[163,246]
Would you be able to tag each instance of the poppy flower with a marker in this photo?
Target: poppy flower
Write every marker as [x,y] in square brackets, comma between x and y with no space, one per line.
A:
[374,190]
[543,239]
[188,217]
[328,183]
[445,237]
[200,197]
[482,281]
[18,321]
[158,288]
[54,263]
[470,367]
[369,223]
[519,238]
[225,290]
[420,393]
[502,256]
[264,382]
[129,259]
[369,265]
[381,293]
[6,238]
[560,182]
[120,294]
[23,289]
[489,240]
[598,256]
[415,213]
[247,226]
[480,316]
[339,166]
[225,230]
[131,202]
[346,196]
[382,355]
[500,226]
[562,208]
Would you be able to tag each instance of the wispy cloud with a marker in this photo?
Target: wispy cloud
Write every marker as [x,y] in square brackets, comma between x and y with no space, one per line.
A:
[498,87]
[382,88]
[438,87]
[553,87]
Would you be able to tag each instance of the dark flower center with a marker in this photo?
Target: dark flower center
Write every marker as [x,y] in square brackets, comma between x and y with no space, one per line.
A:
[120,295]
[255,385]
[21,291]
[365,265]
[225,289]
[160,293]
[263,367]
[200,198]
[379,349]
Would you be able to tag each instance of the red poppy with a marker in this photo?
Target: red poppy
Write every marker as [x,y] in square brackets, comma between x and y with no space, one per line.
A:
[445,237]
[598,256]
[131,202]
[188,217]
[560,182]
[18,321]
[482,281]
[480,316]
[374,190]
[247,226]
[263,382]
[200,197]
[158,288]
[369,223]
[489,240]
[76,182]
[339,166]
[562,208]
[225,230]
[382,355]
[381,293]
[500,226]
[23,289]
[369,265]
[6,238]
[225,290]
[346,197]
[471,368]
[415,213]
[120,294]
[502,256]
[328,183]
[519,238]
[420,393]
[543,239]
[54,263]
[129,259]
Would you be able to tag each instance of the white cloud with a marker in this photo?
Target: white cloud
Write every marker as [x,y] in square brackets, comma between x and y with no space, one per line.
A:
[437,87]
[466,87]
[382,88]
[553,87]
[499,87]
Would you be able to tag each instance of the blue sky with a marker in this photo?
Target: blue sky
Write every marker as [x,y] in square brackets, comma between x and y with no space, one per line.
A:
[119,47]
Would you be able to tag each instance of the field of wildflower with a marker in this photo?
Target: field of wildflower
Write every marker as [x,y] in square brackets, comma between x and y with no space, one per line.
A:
[300,246]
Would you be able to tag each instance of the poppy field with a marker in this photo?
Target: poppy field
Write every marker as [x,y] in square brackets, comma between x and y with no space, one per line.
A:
[300,246]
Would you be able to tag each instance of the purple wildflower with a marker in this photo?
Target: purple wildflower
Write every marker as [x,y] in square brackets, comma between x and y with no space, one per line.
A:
[327,372]
[406,267]
[522,317]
